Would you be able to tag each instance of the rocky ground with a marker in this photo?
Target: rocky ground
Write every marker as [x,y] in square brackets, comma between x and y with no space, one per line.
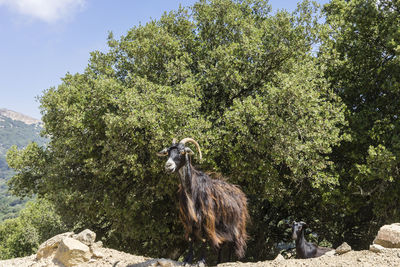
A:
[365,258]
[70,249]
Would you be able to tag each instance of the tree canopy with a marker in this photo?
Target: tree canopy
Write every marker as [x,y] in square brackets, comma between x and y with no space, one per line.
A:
[361,52]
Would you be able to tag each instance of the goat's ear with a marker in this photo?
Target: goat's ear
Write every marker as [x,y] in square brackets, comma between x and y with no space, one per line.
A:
[304,225]
[188,151]
[162,153]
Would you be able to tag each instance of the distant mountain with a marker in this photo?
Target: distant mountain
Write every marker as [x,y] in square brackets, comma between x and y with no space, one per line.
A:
[15,129]
[18,116]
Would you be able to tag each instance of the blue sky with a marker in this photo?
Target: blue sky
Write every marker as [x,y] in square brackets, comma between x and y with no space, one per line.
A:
[42,40]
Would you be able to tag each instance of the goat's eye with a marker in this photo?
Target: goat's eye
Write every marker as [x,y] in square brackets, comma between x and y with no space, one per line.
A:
[183,152]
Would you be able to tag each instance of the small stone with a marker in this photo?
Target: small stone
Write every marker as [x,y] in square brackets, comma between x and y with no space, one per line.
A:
[97,254]
[343,248]
[376,248]
[279,258]
[87,237]
[165,263]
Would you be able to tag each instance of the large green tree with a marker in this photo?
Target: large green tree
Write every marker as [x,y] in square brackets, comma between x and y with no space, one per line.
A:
[361,49]
[242,82]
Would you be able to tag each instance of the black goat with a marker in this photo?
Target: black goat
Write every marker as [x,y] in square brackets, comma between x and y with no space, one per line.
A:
[209,208]
[304,249]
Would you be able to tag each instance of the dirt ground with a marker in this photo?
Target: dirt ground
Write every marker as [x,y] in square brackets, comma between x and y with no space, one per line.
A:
[365,258]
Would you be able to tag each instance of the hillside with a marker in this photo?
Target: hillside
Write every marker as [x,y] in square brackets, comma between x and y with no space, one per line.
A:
[15,129]
[18,116]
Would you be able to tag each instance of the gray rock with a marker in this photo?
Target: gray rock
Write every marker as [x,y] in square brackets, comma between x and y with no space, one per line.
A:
[388,236]
[164,263]
[49,247]
[72,252]
[343,248]
[157,263]
[376,248]
[87,237]
[97,254]
[279,258]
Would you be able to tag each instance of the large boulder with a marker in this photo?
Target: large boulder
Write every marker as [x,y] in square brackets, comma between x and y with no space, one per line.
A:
[388,236]
[49,247]
[72,252]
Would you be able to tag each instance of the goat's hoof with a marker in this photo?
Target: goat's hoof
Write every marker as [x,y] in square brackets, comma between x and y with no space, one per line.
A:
[188,261]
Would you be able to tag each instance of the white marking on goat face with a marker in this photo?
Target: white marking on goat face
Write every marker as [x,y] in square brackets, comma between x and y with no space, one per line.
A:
[170,165]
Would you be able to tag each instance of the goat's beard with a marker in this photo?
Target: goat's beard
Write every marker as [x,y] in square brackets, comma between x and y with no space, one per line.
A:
[170,170]
[294,236]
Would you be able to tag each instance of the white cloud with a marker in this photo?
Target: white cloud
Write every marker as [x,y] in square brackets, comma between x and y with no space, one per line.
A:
[46,10]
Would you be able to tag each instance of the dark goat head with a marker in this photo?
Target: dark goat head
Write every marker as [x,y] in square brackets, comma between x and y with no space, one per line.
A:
[177,153]
[297,228]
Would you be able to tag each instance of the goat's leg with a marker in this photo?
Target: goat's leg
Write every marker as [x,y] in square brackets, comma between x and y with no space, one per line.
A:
[202,261]
[221,252]
[230,249]
[219,255]
[189,257]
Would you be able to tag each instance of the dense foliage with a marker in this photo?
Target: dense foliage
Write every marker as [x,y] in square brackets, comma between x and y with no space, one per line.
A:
[269,113]
[361,51]
[21,236]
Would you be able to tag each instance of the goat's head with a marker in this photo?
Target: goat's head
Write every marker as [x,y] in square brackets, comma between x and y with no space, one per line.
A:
[297,227]
[177,154]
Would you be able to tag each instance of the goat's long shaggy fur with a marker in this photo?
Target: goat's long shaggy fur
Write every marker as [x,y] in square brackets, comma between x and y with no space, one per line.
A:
[212,209]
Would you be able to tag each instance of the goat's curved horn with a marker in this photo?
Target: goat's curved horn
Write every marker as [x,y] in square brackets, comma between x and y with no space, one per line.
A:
[190,140]
[162,153]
